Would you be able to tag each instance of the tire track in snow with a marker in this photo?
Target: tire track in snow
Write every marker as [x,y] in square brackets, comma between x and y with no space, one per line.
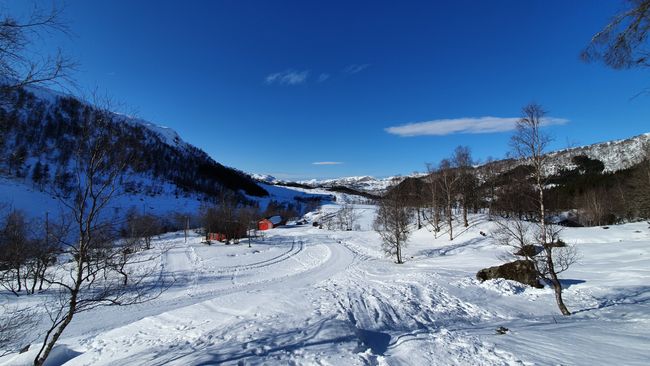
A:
[414,310]
[336,261]
[293,244]
[265,263]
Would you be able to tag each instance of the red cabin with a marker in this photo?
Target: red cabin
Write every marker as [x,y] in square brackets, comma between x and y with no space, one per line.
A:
[269,223]
[217,237]
[264,224]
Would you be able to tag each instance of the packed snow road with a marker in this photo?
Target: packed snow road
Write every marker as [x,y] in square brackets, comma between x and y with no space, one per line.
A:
[197,272]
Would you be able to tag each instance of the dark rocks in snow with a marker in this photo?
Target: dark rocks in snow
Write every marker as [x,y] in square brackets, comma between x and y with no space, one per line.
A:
[502,330]
[522,271]
[569,223]
[556,244]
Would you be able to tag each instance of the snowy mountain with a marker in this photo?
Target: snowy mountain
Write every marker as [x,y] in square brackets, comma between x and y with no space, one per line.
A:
[265,178]
[40,132]
[365,183]
[362,183]
[616,155]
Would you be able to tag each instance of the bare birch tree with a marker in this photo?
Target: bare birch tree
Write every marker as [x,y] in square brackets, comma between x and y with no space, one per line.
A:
[393,222]
[522,238]
[103,271]
[622,43]
[449,180]
[462,160]
[20,64]
[529,143]
[347,217]
[434,204]
[490,173]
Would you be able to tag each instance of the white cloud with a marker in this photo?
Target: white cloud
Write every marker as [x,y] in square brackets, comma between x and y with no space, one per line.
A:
[355,68]
[288,77]
[475,125]
[322,77]
[327,163]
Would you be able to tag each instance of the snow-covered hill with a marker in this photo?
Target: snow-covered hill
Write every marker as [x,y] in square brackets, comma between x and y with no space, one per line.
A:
[616,155]
[40,130]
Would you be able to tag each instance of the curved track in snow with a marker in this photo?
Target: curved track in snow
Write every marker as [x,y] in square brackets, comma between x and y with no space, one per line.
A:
[194,283]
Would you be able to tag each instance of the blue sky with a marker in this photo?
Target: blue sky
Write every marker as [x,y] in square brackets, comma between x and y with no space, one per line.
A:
[276,86]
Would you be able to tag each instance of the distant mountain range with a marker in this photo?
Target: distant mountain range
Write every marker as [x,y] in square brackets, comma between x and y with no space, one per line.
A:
[615,155]
[364,183]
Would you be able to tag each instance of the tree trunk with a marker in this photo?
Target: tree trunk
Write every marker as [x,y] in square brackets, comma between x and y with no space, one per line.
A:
[450,223]
[436,219]
[465,214]
[18,278]
[47,348]
[399,253]
[542,210]
[42,274]
[557,288]
[37,271]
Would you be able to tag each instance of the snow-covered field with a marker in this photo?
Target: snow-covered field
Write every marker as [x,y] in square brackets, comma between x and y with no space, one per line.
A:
[304,295]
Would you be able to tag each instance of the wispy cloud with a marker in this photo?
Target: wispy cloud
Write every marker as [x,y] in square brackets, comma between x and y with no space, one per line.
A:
[322,77]
[355,68]
[327,163]
[288,77]
[476,125]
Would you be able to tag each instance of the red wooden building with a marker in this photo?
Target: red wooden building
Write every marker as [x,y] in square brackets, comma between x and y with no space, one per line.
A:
[217,237]
[269,223]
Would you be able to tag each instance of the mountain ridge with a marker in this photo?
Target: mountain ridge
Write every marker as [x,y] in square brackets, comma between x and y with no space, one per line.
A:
[616,155]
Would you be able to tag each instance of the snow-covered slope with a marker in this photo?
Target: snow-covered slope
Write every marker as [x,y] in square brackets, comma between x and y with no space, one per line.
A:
[615,155]
[41,129]
[305,296]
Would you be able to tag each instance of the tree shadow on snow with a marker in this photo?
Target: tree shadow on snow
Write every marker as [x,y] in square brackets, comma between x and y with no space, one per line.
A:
[450,248]
[276,345]
[61,354]
[634,295]
[568,283]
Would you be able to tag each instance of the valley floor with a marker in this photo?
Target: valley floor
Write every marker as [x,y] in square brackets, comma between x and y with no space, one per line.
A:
[309,296]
